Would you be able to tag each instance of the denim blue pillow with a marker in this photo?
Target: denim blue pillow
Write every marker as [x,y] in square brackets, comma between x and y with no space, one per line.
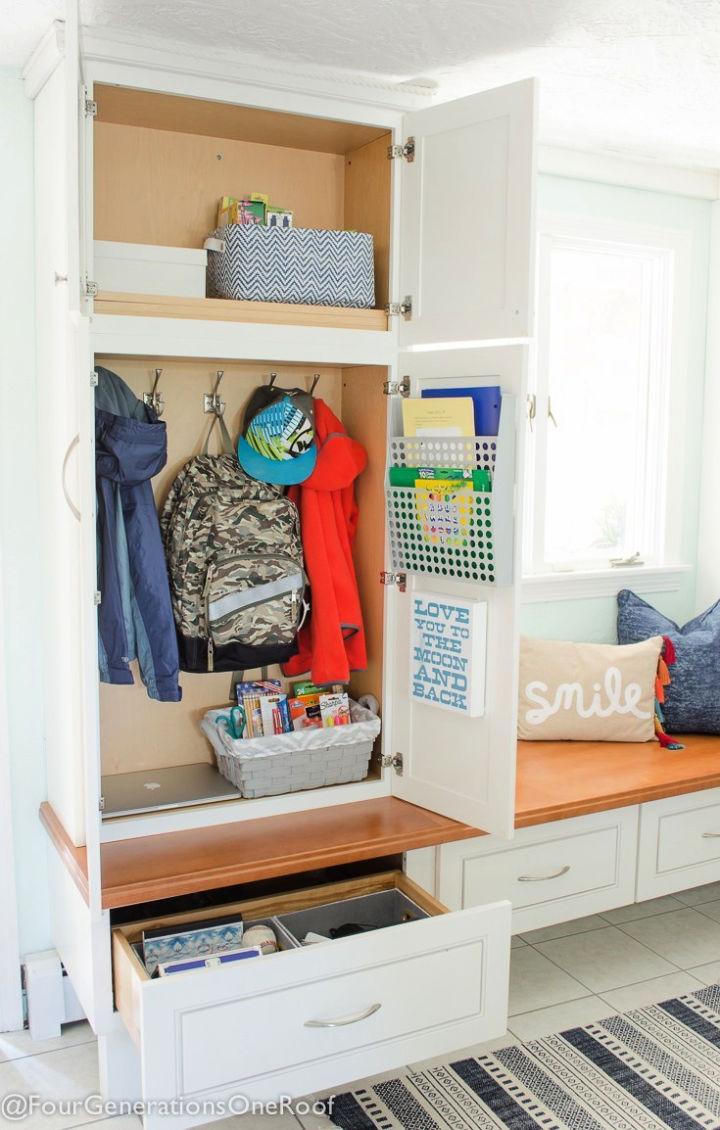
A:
[692,701]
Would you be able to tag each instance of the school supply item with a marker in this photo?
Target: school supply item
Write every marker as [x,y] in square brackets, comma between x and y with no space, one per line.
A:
[444,509]
[215,935]
[486,405]
[308,687]
[272,714]
[335,709]
[409,476]
[445,416]
[278,217]
[305,712]
[234,721]
[235,565]
[213,961]
[332,642]
[258,686]
[277,440]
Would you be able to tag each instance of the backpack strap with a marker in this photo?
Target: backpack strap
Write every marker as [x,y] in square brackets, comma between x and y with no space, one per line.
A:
[227,443]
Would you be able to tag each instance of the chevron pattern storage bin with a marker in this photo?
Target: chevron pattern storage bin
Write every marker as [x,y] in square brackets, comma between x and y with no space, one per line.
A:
[300,265]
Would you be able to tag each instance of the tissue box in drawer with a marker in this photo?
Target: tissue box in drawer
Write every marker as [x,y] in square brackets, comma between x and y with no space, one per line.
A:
[142,268]
[298,265]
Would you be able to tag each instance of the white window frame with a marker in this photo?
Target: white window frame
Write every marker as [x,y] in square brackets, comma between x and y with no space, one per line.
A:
[663,569]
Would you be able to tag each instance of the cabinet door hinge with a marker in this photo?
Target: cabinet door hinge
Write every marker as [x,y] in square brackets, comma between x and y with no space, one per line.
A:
[399,579]
[97,597]
[91,108]
[397,388]
[400,309]
[101,804]
[94,378]
[406,151]
[91,288]
[395,762]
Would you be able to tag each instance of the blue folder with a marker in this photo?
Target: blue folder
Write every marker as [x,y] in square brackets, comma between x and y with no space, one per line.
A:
[486,405]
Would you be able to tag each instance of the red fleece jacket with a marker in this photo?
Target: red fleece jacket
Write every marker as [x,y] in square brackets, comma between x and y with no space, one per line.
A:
[332,642]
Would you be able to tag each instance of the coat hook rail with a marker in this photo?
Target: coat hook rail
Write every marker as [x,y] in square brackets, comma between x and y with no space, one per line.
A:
[154,399]
[212,400]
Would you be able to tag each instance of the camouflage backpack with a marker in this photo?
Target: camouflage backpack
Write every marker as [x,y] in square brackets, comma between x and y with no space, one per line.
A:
[235,564]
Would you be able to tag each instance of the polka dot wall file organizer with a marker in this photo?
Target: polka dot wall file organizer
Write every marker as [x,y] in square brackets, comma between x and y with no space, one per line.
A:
[471,537]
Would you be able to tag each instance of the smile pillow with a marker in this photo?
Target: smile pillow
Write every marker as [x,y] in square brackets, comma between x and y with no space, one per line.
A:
[591,692]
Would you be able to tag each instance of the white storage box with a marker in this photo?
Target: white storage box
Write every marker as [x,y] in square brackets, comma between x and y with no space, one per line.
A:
[143,268]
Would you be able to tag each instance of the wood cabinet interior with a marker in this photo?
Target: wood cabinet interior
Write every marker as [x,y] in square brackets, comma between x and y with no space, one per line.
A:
[162,162]
[137,733]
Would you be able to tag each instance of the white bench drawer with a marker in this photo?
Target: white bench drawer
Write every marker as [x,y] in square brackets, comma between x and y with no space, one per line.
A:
[679,843]
[550,873]
[319,1016]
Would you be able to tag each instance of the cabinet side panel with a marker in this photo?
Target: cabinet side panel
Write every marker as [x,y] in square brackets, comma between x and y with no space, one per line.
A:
[367,204]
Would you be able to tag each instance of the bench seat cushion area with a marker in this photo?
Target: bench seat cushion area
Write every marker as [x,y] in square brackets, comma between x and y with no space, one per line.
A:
[557,780]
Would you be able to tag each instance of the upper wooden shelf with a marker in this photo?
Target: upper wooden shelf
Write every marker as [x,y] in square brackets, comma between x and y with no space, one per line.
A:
[180,863]
[229,310]
[556,780]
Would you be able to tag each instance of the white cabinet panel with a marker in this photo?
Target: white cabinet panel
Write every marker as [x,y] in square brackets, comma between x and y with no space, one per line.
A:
[550,873]
[467,218]
[679,843]
[459,766]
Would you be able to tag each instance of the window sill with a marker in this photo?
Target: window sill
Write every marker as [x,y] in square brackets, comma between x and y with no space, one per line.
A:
[583,584]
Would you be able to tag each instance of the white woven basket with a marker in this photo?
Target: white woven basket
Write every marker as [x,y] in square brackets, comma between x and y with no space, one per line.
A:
[303,759]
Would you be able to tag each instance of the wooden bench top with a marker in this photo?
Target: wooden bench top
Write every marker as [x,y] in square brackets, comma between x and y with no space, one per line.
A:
[555,781]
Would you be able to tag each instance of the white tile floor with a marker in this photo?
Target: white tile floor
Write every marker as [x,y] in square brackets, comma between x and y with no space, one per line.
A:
[564,975]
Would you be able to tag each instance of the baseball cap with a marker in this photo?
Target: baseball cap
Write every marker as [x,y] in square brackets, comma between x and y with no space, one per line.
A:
[277,442]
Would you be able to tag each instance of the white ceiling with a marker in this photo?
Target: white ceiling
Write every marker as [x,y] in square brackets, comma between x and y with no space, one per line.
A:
[640,77]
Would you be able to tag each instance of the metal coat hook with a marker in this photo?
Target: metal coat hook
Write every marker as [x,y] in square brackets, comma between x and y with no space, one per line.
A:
[550,415]
[273,378]
[213,400]
[313,386]
[154,399]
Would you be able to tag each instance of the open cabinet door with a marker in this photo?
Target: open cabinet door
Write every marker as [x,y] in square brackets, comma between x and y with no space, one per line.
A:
[67,503]
[467,218]
[452,678]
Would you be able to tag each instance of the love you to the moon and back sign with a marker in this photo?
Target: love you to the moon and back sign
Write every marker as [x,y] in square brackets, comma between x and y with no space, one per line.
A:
[447,652]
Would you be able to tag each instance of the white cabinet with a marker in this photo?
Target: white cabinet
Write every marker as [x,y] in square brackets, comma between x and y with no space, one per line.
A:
[679,843]
[453,229]
[550,873]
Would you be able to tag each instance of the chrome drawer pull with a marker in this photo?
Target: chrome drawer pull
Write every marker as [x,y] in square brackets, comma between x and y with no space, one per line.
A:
[344,1019]
[544,878]
[711,835]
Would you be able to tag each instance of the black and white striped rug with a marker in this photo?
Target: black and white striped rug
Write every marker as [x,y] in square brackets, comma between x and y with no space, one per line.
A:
[649,1069]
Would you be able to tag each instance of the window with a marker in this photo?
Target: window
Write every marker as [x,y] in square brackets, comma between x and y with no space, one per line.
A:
[598,457]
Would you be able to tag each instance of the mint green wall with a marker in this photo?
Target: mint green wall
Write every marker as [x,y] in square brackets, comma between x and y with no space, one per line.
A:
[20,530]
[594,619]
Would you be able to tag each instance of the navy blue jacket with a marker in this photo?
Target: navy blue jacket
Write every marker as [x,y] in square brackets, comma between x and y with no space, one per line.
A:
[135,619]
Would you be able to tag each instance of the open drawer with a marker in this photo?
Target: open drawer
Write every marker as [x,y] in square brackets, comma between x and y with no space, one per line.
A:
[319,1016]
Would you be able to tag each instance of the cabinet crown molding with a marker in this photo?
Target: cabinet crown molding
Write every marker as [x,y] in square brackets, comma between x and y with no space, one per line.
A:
[44,59]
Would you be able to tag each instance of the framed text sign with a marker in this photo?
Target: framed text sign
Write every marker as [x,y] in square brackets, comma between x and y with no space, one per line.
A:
[447,652]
